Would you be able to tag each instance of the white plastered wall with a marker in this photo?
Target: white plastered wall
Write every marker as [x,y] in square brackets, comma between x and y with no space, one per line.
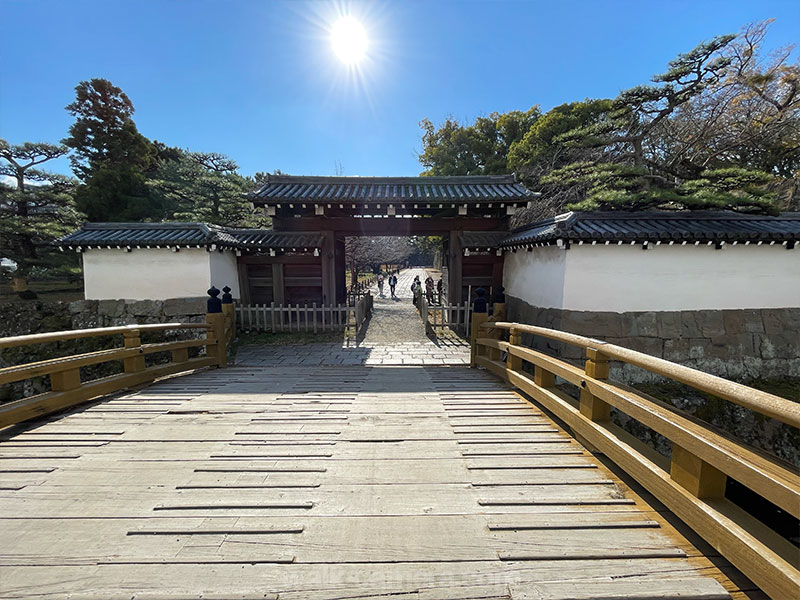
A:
[663,278]
[152,273]
[224,271]
[537,277]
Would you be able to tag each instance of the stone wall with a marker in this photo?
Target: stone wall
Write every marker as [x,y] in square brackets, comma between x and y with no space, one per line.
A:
[736,344]
[23,318]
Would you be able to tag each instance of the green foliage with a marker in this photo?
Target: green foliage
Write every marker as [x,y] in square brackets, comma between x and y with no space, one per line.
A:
[614,186]
[118,193]
[539,150]
[204,187]
[110,156]
[478,149]
[104,133]
[643,161]
[37,210]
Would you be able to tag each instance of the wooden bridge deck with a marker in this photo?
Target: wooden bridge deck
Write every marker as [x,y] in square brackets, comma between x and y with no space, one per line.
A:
[328,482]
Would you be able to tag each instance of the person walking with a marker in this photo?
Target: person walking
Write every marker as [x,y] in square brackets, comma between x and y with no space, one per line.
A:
[392,284]
[380,284]
[416,291]
[429,289]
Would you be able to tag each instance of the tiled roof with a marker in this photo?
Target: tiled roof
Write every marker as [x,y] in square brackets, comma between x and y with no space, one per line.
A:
[655,226]
[482,240]
[148,235]
[266,238]
[445,190]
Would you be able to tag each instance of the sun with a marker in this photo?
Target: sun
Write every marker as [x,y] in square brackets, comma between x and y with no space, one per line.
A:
[349,40]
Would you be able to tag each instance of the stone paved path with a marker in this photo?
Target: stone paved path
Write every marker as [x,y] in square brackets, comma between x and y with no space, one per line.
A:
[394,335]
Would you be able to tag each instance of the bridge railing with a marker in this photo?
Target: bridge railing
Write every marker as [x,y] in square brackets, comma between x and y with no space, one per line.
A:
[66,387]
[692,483]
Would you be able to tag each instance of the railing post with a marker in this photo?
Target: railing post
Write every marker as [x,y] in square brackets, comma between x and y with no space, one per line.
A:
[229,310]
[62,381]
[217,347]
[479,316]
[133,339]
[695,475]
[596,367]
[543,378]
[513,363]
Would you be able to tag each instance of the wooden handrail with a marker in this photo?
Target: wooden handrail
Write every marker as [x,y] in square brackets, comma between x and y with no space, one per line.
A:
[693,484]
[67,388]
[762,402]
[74,334]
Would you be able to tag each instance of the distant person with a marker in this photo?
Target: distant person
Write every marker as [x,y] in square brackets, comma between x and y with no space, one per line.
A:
[429,289]
[380,284]
[392,284]
[416,291]
[439,290]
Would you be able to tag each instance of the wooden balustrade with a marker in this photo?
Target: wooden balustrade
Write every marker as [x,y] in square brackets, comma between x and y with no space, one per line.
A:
[66,387]
[692,485]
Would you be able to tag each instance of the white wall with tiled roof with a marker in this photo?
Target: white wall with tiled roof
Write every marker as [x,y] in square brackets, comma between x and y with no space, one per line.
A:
[156,273]
[625,278]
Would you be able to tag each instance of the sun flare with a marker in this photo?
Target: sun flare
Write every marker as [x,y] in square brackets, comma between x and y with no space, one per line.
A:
[349,40]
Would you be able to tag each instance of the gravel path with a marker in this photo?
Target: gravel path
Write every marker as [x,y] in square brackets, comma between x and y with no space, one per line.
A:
[396,320]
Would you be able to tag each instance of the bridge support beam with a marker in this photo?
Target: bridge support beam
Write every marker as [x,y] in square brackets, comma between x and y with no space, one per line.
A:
[592,407]
[696,475]
[478,319]
[513,363]
[134,364]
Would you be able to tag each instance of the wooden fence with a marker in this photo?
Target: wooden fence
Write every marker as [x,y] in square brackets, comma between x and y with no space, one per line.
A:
[278,318]
[66,387]
[692,483]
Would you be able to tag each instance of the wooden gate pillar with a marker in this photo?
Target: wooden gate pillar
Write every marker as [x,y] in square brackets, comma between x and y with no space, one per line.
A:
[455,254]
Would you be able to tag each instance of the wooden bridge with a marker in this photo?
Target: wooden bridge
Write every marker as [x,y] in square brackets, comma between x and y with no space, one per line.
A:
[437,483]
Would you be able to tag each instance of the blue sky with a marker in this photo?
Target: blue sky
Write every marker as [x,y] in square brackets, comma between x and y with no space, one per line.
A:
[258,80]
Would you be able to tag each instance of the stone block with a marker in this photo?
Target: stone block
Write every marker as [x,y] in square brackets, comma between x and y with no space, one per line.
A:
[732,346]
[123,320]
[778,345]
[628,323]
[711,365]
[184,306]
[83,306]
[682,350]
[781,320]
[647,324]
[689,325]
[669,325]
[144,308]
[711,323]
[86,320]
[648,345]
[743,321]
[592,324]
[111,308]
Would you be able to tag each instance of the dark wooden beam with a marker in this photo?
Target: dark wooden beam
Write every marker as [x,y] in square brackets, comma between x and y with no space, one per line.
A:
[391,225]
[300,259]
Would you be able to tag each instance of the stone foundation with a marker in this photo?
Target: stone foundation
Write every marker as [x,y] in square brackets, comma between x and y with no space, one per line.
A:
[736,344]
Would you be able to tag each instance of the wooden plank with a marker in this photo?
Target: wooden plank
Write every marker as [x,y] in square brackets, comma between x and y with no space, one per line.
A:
[224,511]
